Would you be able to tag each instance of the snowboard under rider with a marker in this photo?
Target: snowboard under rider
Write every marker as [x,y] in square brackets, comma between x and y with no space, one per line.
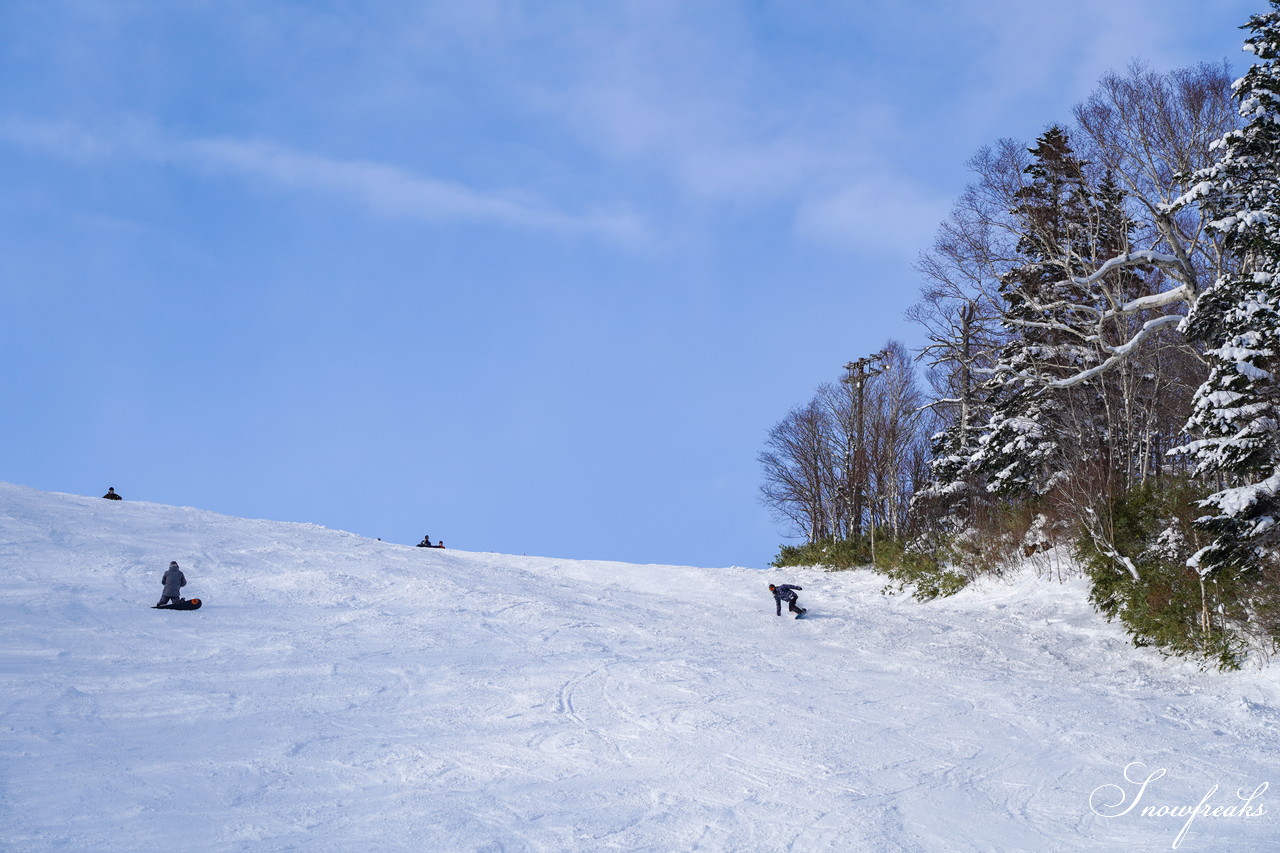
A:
[787,593]
[173,581]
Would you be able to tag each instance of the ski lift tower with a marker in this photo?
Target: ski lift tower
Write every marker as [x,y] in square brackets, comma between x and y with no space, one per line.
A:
[856,375]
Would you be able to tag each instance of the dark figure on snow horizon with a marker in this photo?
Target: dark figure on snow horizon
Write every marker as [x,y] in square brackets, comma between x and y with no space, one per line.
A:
[787,593]
[111,494]
[174,580]
[426,543]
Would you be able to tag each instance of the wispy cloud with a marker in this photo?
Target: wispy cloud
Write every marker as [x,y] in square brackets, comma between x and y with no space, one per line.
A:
[60,139]
[393,191]
[381,188]
[675,114]
[879,215]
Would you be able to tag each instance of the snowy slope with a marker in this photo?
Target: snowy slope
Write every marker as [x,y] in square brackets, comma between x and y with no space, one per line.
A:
[338,694]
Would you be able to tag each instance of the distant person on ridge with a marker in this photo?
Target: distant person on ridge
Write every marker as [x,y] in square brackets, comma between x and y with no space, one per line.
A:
[787,593]
[174,580]
[111,494]
[426,542]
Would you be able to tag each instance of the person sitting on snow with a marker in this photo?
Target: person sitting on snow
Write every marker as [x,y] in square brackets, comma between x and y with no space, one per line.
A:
[787,593]
[426,542]
[111,494]
[174,580]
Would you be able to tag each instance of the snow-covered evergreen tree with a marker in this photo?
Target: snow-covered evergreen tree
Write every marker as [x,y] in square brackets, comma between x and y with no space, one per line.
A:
[1236,413]
[1046,337]
[960,344]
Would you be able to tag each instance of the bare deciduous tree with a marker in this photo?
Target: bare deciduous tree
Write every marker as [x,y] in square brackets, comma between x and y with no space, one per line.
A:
[798,477]
[897,436]
[810,475]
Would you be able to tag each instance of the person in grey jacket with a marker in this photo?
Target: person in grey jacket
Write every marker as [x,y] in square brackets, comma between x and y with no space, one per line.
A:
[787,593]
[173,581]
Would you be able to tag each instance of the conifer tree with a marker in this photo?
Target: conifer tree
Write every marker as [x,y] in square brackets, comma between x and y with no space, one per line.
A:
[1045,335]
[959,345]
[1236,411]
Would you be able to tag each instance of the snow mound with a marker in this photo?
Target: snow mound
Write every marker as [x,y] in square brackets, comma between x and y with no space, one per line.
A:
[336,693]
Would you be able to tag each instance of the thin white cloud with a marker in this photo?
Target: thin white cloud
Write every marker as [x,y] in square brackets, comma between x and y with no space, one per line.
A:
[881,214]
[381,188]
[692,106]
[54,138]
[708,109]
[690,110]
[392,191]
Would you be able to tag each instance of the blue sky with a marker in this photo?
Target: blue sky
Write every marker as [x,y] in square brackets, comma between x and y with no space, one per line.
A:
[529,277]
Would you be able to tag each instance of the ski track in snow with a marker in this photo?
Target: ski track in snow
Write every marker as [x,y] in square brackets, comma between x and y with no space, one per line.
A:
[337,693]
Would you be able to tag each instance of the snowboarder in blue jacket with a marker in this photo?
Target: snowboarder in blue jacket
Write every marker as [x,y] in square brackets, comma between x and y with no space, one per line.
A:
[787,593]
[174,580]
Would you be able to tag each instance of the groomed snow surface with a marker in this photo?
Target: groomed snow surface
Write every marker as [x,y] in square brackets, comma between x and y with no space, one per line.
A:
[337,693]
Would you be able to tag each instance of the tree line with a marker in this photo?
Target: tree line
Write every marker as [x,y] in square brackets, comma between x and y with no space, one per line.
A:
[1101,317]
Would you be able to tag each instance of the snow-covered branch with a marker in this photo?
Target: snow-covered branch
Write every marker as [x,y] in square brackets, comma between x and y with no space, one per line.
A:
[1091,524]
[1117,352]
[1146,257]
[1181,293]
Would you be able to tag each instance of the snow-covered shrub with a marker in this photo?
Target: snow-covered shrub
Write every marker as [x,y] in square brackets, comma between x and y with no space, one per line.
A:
[831,554]
[1139,575]
[907,563]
